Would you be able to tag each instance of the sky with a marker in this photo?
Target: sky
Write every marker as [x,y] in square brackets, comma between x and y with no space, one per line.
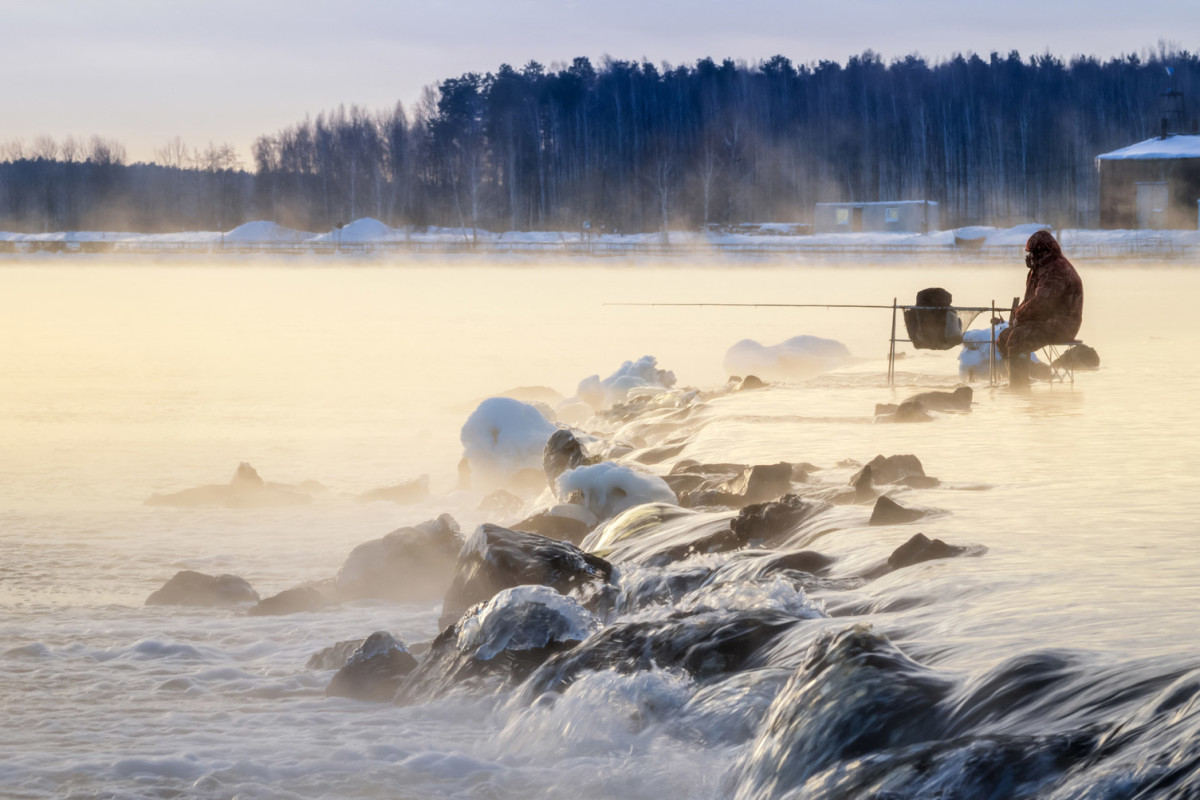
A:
[146,71]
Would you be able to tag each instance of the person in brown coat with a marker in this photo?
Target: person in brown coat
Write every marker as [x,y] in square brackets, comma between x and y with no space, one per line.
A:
[1051,312]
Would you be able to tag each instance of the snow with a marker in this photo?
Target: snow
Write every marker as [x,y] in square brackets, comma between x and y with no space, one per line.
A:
[359,235]
[609,488]
[601,394]
[503,436]
[1174,146]
[798,357]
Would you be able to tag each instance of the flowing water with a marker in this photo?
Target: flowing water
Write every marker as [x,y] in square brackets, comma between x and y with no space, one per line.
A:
[121,380]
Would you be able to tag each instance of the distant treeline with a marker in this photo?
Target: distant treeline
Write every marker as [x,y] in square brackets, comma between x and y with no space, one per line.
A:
[632,147]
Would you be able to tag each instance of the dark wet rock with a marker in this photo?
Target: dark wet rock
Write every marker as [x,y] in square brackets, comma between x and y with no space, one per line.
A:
[730,485]
[404,494]
[749,382]
[958,400]
[864,485]
[291,601]
[568,522]
[921,548]
[501,501]
[246,489]
[891,469]
[563,452]
[799,561]
[188,588]
[665,587]
[495,558]
[499,643]
[412,564]
[335,656]
[707,645]
[856,694]
[375,671]
[762,523]
[1080,356]
[889,512]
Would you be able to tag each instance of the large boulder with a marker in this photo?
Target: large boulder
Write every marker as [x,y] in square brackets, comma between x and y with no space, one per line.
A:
[412,564]
[375,671]
[334,656]
[494,559]
[498,643]
[763,523]
[189,588]
[751,484]
[891,469]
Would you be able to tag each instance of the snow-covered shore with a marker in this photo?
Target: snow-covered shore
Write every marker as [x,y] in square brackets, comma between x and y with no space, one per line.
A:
[368,236]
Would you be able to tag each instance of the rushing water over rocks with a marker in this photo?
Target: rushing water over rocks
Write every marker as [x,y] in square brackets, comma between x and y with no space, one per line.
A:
[994,604]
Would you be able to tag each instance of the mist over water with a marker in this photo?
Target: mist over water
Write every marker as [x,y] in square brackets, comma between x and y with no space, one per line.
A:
[122,380]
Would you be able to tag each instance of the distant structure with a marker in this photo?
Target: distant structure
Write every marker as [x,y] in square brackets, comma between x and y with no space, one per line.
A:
[1156,183]
[899,216]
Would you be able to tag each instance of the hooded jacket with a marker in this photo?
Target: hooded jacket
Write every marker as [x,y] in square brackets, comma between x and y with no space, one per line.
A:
[1053,291]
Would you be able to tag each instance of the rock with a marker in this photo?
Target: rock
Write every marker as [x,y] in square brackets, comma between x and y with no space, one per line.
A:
[188,588]
[749,382]
[568,522]
[375,671]
[888,512]
[884,409]
[921,548]
[498,643]
[494,559]
[500,501]
[912,411]
[335,656]
[705,644]
[404,494]
[731,485]
[765,522]
[563,452]
[291,601]
[245,490]
[413,564]
[1079,356]
[892,469]
[958,400]
[864,487]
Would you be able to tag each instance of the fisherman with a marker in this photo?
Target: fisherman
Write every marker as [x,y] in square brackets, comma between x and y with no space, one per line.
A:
[1051,312]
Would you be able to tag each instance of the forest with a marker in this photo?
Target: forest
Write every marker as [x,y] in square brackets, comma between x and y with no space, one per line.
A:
[633,147]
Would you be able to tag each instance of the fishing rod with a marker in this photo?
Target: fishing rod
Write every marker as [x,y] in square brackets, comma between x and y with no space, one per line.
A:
[755,305]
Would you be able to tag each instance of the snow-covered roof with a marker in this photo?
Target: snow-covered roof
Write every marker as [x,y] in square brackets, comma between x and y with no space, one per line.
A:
[1174,146]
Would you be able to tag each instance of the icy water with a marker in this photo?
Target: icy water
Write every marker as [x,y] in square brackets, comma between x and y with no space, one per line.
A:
[1060,662]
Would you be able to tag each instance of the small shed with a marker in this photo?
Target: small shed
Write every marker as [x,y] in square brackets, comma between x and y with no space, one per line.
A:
[899,216]
[1151,184]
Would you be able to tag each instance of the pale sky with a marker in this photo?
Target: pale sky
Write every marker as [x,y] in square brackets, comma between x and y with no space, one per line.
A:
[144,71]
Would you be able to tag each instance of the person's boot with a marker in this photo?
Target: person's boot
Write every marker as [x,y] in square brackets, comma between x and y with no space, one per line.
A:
[1018,371]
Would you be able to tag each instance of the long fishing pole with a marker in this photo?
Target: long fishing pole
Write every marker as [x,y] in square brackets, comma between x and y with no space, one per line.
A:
[754,305]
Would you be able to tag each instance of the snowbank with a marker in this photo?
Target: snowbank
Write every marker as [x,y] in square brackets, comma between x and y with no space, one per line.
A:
[798,357]
[265,231]
[610,488]
[502,437]
[366,229]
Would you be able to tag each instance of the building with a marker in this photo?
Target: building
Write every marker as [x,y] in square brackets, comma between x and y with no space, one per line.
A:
[1151,184]
[900,216]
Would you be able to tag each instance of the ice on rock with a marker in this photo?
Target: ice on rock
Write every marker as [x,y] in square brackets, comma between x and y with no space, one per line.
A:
[523,618]
[610,488]
[502,437]
[600,394]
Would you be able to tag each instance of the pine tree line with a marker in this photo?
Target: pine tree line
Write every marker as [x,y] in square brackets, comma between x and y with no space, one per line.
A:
[633,147]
